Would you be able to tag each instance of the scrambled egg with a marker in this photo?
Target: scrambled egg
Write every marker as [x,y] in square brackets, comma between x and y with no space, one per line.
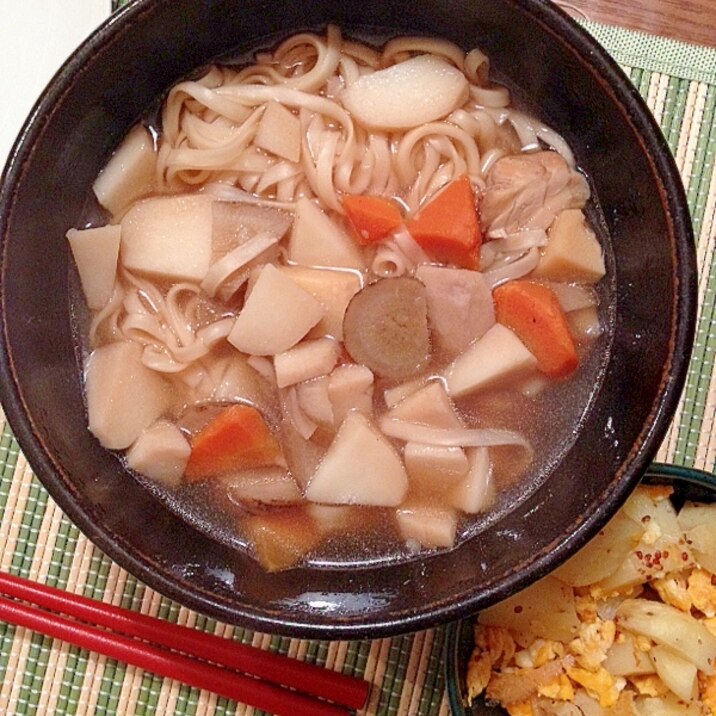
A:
[702,592]
[578,667]
[560,689]
[594,640]
[673,590]
[600,684]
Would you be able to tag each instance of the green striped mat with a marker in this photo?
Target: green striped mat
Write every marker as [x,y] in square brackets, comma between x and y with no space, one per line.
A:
[42,676]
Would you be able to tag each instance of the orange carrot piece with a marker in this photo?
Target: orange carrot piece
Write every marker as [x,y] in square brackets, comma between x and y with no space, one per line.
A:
[282,538]
[371,217]
[447,227]
[533,312]
[236,439]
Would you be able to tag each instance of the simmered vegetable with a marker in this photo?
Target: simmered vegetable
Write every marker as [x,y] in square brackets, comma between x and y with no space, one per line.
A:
[386,327]
[371,217]
[236,439]
[447,227]
[533,312]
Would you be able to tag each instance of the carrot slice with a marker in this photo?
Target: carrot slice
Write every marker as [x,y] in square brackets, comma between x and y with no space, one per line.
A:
[447,227]
[371,217]
[236,439]
[533,312]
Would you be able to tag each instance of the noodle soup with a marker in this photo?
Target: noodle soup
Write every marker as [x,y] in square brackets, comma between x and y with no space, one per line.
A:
[344,308]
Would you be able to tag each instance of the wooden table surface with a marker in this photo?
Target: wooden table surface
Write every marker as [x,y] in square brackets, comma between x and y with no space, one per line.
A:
[689,20]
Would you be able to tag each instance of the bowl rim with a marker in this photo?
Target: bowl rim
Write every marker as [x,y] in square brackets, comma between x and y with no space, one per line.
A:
[454,676]
[609,75]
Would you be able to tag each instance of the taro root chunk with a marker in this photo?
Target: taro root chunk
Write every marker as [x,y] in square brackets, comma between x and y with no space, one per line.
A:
[572,252]
[333,289]
[316,240]
[161,453]
[276,315]
[499,357]
[386,327]
[169,237]
[360,468]
[123,395]
[428,406]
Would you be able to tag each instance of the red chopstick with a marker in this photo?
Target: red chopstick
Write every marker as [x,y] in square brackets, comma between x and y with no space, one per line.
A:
[308,678]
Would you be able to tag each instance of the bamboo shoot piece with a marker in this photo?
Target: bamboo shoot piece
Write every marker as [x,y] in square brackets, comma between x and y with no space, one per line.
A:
[129,174]
[95,252]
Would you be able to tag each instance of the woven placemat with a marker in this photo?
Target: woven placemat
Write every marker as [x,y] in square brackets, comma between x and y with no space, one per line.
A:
[42,676]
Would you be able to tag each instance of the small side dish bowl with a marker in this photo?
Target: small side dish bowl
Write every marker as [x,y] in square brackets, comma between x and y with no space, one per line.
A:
[554,70]
[687,484]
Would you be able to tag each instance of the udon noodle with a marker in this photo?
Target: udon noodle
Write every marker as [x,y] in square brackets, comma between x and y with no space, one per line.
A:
[368,362]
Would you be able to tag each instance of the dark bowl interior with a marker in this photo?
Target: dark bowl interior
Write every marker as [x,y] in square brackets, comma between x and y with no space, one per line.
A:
[687,484]
[559,74]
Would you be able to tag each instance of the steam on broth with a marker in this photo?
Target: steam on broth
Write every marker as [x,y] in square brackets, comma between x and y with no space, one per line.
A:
[344,304]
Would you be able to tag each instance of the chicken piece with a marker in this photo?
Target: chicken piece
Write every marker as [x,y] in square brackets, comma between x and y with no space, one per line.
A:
[460,306]
[527,191]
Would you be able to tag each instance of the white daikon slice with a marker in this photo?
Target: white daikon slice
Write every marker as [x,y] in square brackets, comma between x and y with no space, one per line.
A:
[677,673]
[123,396]
[545,609]
[276,315]
[316,240]
[360,468]
[498,357]
[169,237]
[95,252]
[429,526]
[666,625]
[161,453]
[411,93]
[129,174]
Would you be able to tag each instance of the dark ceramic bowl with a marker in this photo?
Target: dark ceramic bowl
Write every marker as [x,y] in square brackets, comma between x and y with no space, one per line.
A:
[688,484]
[556,71]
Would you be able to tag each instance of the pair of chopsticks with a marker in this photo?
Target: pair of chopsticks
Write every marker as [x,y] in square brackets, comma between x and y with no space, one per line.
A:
[271,682]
